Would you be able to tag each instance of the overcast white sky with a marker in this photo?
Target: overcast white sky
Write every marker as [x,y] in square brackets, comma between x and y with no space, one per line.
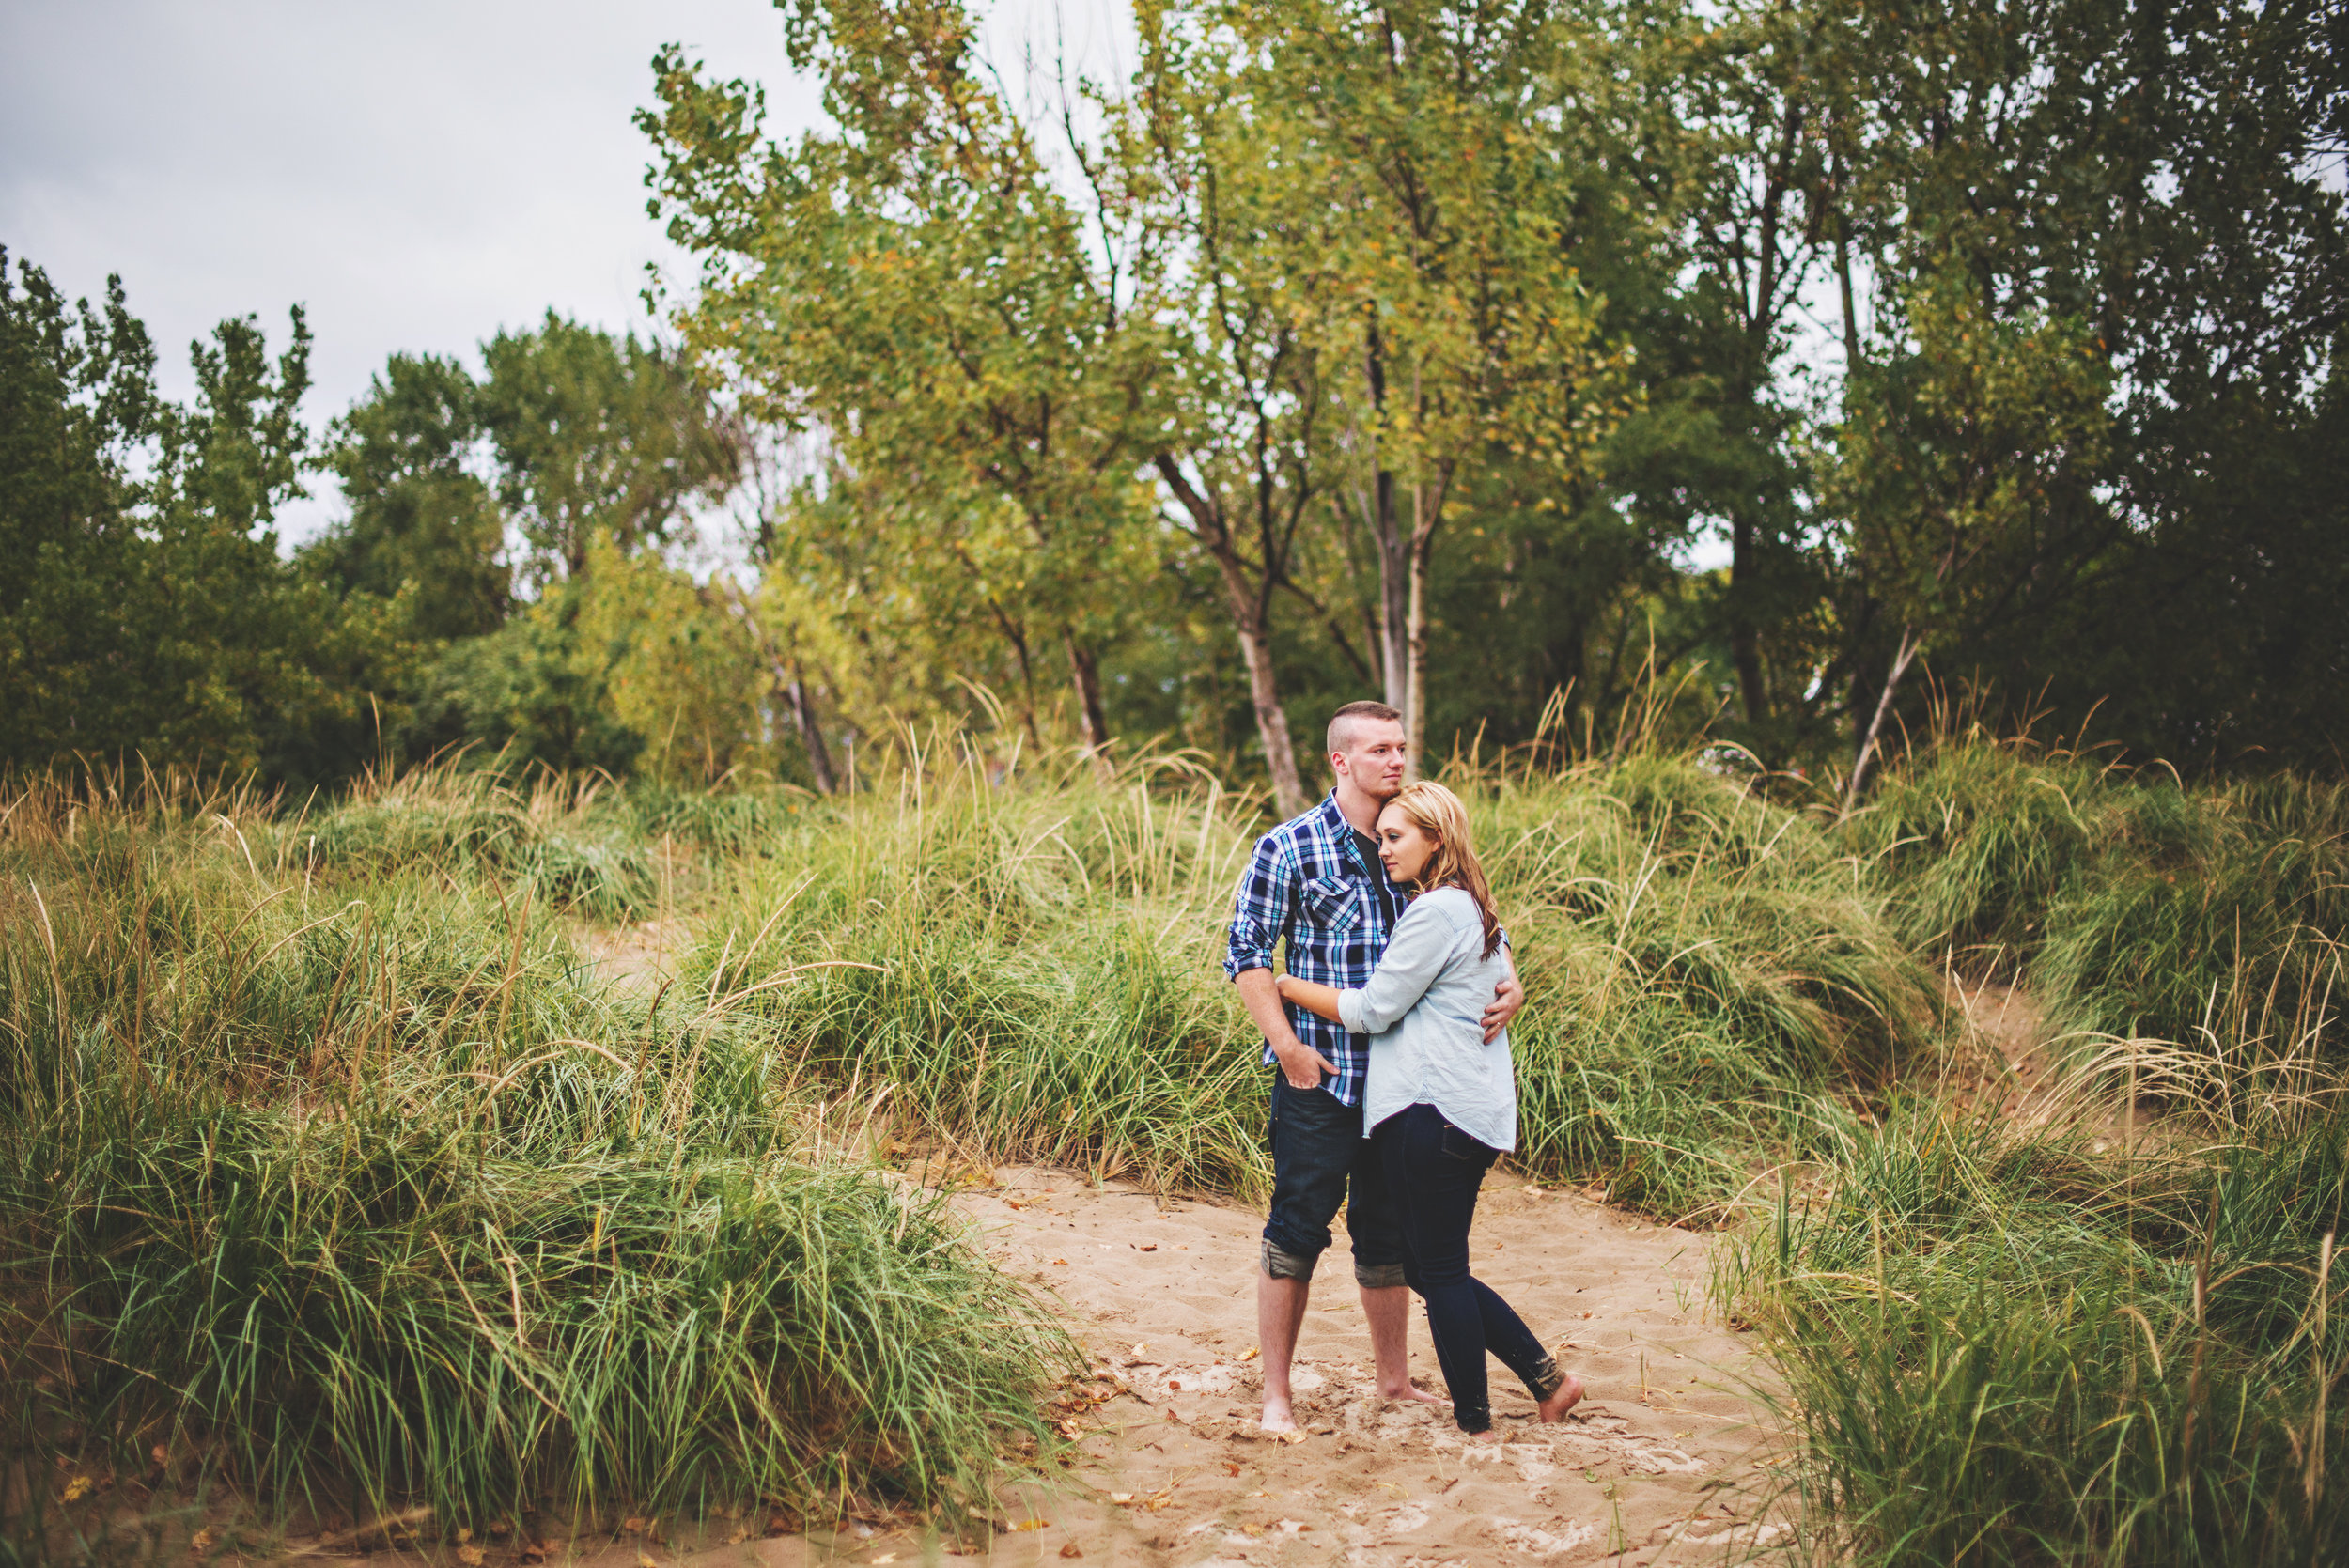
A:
[418,174]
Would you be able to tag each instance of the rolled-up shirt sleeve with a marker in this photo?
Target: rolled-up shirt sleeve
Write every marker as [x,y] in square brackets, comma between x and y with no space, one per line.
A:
[1415,955]
[1262,907]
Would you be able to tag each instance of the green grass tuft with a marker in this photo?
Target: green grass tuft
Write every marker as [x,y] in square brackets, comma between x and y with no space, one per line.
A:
[345,1177]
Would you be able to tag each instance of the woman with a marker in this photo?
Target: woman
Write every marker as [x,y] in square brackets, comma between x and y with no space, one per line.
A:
[1441,1102]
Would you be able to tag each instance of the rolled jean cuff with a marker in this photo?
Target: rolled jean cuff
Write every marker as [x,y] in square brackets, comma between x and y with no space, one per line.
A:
[1547,1378]
[1378,1276]
[1279,1265]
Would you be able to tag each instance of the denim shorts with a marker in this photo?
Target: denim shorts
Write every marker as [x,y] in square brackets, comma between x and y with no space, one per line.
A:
[1320,1159]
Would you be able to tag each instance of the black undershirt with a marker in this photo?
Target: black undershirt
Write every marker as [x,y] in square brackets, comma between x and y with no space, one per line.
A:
[1369,847]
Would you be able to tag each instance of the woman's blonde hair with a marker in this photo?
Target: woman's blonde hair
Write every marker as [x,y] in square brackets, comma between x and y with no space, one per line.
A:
[1439,814]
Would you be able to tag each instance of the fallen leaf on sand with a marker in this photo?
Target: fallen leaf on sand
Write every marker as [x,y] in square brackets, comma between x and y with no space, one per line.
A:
[1070,1548]
[1141,1350]
[1032,1523]
[201,1541]
[1121,1497]
[645,1559]
[78,1488]
[737,1537]
[1231,1466]
[1252,1353]
[1061,1262]
[468,1555]
[634,1526]
[1149,1246]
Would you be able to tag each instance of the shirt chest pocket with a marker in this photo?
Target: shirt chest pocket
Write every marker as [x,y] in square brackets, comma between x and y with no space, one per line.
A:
[1332,905]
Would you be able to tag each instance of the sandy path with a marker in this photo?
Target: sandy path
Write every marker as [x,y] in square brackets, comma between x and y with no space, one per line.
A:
[1658,1465]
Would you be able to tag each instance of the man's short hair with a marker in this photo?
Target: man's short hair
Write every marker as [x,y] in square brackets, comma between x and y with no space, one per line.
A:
[1342,721]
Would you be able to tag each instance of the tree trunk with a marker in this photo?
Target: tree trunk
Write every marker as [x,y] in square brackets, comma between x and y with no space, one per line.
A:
[1875,724]
[1395,597]
[1843,281]
[1745,641]
[1843,267]
[1087,667]
[1252,621]
[1394,566]
[1273,724]
[1426,511]
[790,685]
[811,732]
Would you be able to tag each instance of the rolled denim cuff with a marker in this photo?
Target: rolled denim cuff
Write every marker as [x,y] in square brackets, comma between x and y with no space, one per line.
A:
[1279,1265]
[1547,1378]
[1377,1276]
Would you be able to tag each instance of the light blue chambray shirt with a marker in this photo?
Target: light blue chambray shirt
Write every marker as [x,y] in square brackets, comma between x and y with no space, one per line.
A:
[1424,1009]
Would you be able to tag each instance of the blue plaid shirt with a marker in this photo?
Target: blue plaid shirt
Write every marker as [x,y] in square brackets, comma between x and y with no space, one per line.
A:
[1309,882]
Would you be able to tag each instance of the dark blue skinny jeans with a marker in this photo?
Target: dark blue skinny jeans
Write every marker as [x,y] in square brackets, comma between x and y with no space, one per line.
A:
[1433,1173]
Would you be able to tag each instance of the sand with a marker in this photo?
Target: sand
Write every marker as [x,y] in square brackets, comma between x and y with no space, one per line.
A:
[1664,1461]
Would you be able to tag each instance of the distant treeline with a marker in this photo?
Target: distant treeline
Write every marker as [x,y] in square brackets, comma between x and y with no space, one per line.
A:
[1336,351]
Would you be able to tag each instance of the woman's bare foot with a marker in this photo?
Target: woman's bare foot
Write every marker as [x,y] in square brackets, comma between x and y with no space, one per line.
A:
[1277,1416]
[1490,1435]
[1563,1399]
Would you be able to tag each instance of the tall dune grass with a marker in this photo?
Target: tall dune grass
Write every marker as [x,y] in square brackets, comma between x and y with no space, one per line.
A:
[2019,1350]
[330,1163]
[2136,906]
[327,1168]
[1036,963]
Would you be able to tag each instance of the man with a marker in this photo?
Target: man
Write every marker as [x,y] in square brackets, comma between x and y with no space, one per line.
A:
[1316,882]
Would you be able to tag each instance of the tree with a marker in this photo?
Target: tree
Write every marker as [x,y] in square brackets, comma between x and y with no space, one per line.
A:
[962,318]
[1747,134]
[76,403]
[149,609]
[1239,443]
[597,437]
[2082,188]
[915,286]
[421,518]
[1966,464]
[1436,243]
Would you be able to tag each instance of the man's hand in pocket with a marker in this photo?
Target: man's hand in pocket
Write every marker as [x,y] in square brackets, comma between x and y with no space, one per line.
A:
[1302,1064]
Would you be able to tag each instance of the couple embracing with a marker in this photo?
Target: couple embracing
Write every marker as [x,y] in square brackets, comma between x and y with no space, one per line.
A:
[1393,1089]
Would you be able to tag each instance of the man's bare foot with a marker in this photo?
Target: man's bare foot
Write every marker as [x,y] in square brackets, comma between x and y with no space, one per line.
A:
[1412,1393]
[1278,1417]
[1567,1395]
